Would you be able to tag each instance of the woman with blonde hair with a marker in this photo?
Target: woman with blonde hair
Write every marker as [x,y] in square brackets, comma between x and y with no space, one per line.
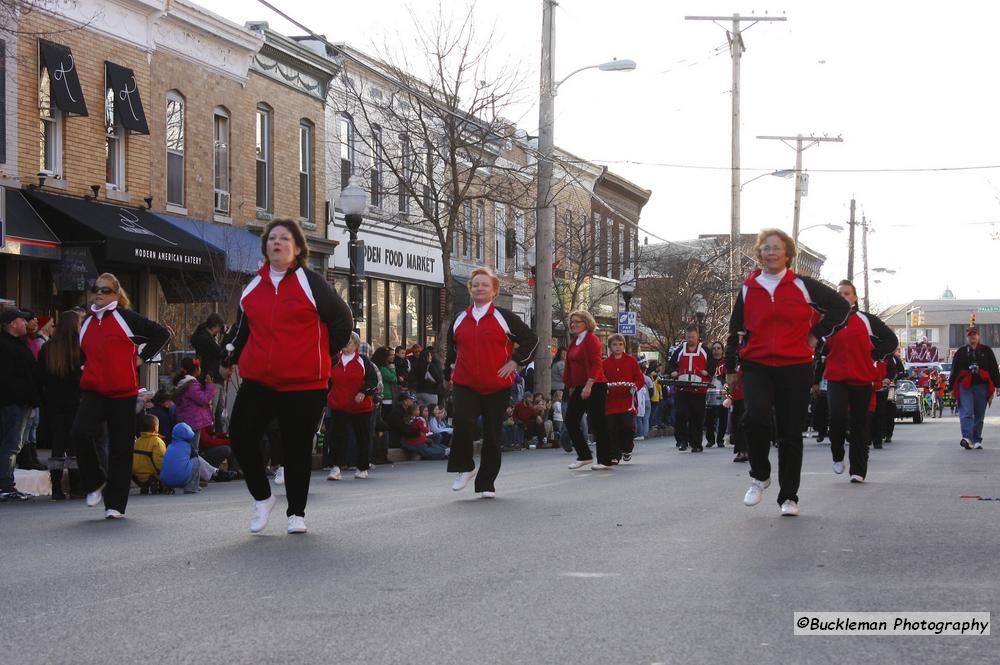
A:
[486,344]
[583,375]
[777,320]
[110,339]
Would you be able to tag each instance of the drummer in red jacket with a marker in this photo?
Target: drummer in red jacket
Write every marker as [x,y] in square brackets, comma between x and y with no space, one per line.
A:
[625,379]
[353,383]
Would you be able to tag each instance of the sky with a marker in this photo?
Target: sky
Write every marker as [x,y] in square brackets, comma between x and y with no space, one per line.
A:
[908,85]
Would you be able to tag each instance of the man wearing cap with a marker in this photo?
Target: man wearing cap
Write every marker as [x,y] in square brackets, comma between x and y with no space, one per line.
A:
[18,395]
[974,379]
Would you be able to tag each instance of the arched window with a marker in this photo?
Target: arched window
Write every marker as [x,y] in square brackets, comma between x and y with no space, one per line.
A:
[265,157]
[175,148]
[221,159]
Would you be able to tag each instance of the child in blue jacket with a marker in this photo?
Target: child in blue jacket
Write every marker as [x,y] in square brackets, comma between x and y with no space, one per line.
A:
[181,465]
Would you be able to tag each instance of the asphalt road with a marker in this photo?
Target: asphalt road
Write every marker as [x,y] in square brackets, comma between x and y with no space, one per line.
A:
[657,562]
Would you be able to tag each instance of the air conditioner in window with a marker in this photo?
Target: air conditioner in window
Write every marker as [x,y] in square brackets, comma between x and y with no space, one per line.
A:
[221,201]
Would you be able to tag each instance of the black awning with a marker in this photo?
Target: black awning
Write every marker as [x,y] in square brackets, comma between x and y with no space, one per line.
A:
[24,232]
[64,81]
[125,235]
[127,103]
[76,271]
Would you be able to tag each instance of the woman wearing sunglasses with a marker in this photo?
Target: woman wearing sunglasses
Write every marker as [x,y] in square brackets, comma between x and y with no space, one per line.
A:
[114,340]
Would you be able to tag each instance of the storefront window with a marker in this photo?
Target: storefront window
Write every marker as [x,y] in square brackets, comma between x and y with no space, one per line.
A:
[378,327]
[412,314]
[396,327]
[431,310]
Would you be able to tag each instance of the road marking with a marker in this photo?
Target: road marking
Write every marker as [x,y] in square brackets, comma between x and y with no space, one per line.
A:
[591,575]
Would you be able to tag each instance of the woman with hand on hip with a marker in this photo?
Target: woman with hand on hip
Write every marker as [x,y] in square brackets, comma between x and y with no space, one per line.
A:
[588,389]
[777,321]
[110,340]
[289,325]
[486,344]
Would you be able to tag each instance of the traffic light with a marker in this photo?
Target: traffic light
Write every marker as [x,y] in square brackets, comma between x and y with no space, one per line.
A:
[914,318]
[920,317]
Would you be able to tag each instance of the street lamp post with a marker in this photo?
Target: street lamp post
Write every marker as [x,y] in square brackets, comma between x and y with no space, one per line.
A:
[545,215]
[700,307]
[628,290]
[354,202]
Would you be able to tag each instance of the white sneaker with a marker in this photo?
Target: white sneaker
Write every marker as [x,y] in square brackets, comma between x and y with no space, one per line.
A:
[789,509]
[855,478]
[532,446]
[756,491]
[488,495]
[112,514]
[977,446]
[580,463]
[361,475]
[838,467]
[639,438]
[334,473]
[297,524]
[279,476]
[599,467]
[96,496]
[463,479]
[261,513]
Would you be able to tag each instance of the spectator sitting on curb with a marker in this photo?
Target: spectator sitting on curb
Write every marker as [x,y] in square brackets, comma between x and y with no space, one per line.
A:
[147,456]
[421,443]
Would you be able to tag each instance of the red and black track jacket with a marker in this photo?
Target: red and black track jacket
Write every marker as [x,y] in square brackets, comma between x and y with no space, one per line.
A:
[625,379]
[776,328]
[112,341]
[852,351]
[284,337]
[358,375]
[689,365]
[478,349]
[984,358]
[583,362]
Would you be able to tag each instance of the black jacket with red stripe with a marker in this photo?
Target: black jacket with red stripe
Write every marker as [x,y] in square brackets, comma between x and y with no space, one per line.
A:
[852,351]
[478,349]
[775,329]
[111,342]
[284,337]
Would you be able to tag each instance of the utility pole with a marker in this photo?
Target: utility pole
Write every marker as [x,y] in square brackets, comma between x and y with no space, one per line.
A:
[864,257]
[850,244]
[799,149]
[736,47]
[545,215]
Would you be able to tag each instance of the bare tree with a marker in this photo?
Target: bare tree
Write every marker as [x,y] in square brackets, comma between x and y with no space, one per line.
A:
[439,136]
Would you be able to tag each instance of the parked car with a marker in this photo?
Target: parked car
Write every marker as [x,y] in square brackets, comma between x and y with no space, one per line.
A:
[909,402]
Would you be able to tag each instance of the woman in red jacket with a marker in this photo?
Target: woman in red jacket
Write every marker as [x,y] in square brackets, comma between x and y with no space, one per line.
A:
[110,341]
[486,344]
[289,324]
[625,379]
[777,320]
[587,386]
[851,354]
[353,384]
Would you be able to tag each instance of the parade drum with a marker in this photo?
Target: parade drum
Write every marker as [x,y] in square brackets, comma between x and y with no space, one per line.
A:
[891,395]
[714,396]
[822,385]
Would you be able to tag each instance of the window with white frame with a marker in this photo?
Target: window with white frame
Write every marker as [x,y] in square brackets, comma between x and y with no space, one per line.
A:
[305,170]
[345,125]
[264,158]
[596,236]
[567,233]
[114,143]
[500,238]
[609,229]
[519,231]
[51,125]
[377,165]
[175,149]
[466,230]
[480,231]
[404,175]
[221,159]
[622,233]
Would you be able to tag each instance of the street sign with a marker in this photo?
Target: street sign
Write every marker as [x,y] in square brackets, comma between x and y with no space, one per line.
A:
[988,308]
[627,323]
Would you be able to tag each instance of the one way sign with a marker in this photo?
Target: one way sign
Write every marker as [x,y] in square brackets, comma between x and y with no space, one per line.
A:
[626,323]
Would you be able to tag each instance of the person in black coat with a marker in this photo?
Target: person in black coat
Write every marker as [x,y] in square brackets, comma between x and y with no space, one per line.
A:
[426,379]
[206,346]
[19,394]
[60,364]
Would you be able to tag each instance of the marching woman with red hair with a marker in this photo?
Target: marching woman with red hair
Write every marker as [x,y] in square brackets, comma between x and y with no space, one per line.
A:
[850,372]
[777,320]
[486,344]
[110,341]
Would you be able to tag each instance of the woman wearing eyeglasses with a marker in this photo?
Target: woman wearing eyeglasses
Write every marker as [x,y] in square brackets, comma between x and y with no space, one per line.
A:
[777,320]
[114,340]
